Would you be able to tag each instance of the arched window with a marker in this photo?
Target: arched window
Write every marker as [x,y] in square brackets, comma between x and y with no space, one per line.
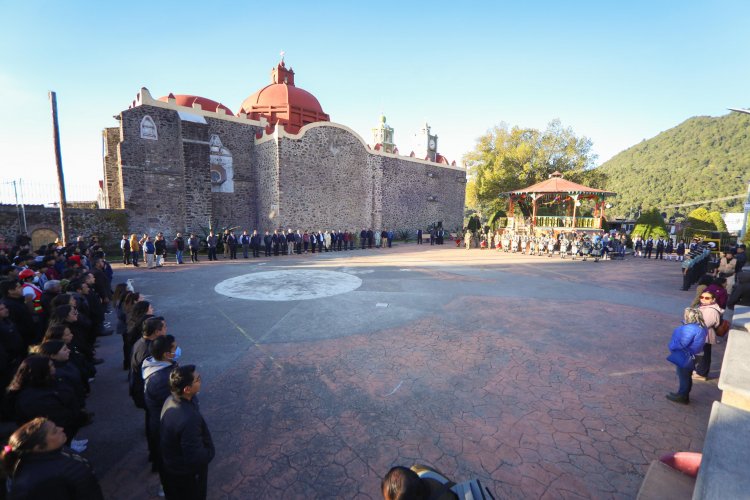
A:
[148,129]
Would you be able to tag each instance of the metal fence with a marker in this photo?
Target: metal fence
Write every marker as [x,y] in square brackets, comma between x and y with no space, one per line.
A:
[22,192]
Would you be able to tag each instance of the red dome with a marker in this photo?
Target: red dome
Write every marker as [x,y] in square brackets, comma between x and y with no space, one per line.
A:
[282,102]
[281,94]
[206,104]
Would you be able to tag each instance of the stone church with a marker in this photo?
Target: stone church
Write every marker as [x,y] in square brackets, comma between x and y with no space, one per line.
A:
[186,163]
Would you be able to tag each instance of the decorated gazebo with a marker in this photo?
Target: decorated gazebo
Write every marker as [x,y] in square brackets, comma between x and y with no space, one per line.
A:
[563,193]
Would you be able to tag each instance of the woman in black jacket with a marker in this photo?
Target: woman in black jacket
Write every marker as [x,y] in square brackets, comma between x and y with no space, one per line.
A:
[38,466]
[34,393]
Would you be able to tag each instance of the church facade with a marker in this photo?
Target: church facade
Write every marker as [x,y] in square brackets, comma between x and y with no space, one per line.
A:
[186,163]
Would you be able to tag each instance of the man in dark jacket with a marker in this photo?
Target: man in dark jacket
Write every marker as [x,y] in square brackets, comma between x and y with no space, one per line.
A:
[186,444]
[255,243]
[152,328]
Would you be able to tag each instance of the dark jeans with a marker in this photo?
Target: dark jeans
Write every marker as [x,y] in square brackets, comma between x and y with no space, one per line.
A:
[705,365]
[126,257]
[185,486]
[193,255]
[212,253]
[685,377]
[245,248]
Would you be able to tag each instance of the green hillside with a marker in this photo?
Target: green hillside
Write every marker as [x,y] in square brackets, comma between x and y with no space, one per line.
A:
[700,159]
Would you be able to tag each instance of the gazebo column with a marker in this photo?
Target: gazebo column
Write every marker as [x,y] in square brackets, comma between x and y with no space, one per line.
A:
[511,207]
[534,197]
[574,197]
[601,213]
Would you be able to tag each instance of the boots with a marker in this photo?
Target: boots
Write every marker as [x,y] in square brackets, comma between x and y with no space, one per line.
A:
[678,398]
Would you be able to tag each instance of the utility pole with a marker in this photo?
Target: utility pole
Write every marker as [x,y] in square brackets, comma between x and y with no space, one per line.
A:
[58,161]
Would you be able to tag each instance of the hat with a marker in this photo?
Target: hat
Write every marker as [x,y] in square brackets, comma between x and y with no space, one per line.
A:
[26,273]
[75,258]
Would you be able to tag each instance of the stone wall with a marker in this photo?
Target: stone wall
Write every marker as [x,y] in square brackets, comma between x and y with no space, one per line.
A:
[325,181]
[324,178]
[112,179]
[108,225]
[240,206]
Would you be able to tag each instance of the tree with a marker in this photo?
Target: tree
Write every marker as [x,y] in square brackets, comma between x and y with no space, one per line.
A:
[650,224]
[511,158]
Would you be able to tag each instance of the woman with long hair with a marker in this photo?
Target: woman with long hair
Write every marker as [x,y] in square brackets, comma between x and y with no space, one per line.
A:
[38,465]
[34,393]
[141,312]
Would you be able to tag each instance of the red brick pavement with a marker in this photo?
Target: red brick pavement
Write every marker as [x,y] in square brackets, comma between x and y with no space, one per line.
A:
[539,399]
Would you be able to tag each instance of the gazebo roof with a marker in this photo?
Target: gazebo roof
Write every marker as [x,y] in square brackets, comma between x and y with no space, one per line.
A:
[556,184]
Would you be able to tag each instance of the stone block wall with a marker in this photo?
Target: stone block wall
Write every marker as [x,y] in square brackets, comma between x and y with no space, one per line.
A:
[240,207]
[267,175]
[325,182]
[112,178]
[416,195]
[108,225]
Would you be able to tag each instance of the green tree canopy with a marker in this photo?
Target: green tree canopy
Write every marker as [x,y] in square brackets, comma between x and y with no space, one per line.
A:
[511,158]
[650,224]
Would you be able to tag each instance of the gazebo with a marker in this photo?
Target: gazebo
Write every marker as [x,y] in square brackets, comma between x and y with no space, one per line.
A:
[557,190]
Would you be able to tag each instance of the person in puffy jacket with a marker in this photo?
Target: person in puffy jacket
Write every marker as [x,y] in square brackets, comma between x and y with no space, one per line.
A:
[39,466]
[156,369]
[690,337]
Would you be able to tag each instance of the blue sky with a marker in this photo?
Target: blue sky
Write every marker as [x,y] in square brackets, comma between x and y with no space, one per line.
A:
[616,73]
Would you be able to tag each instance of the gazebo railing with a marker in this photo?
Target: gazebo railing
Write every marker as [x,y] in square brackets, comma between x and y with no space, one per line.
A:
[567,221]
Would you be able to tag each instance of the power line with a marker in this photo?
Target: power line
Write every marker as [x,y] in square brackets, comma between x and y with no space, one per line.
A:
[703,202]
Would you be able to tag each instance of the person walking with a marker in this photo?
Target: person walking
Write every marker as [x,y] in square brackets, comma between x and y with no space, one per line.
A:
[185,441]
[687,341]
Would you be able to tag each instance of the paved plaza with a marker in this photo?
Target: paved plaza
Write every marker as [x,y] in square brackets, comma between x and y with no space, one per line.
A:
[545,378]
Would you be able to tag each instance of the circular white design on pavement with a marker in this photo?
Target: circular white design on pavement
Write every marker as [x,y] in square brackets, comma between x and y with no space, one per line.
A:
[288,285]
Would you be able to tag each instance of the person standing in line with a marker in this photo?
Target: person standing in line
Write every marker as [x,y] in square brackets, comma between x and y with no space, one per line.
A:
[185,441]
[179,247]
[135,249]
[232,242]
[212,241]
[161,249]
[649,247]
[194,244]
[255,243]
[38,465]
[245,242]
[363,238]
[225,244]
[680,251]
[419,236]
[125,247]
[267,243]
[660,249]
[149,250]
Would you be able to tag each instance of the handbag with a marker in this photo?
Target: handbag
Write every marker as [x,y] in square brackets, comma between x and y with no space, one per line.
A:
[682,358]
[723,328]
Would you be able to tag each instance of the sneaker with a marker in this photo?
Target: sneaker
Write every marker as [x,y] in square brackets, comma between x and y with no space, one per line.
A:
[678,398]
[697,376]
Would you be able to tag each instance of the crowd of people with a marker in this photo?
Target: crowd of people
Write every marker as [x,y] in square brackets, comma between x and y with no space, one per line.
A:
[567,243]
[720,287]
[52,313]
[153,250]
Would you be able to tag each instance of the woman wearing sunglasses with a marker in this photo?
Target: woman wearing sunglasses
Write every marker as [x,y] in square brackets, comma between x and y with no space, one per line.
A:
[711,318]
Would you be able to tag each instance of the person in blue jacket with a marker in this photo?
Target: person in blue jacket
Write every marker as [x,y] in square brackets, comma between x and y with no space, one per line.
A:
[689,338]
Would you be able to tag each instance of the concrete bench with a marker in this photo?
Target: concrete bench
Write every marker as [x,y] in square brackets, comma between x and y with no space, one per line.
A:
[662,482]
[741,318]
[726,453]
[734,380]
